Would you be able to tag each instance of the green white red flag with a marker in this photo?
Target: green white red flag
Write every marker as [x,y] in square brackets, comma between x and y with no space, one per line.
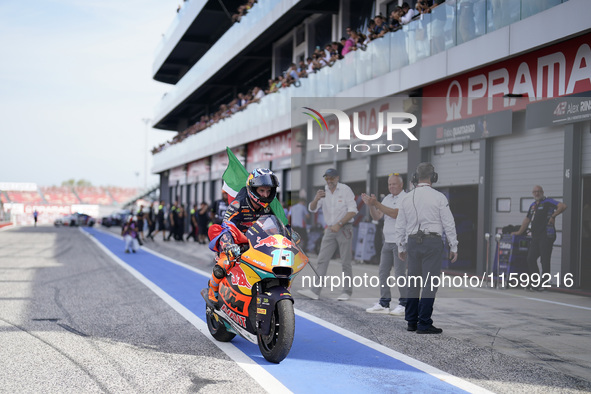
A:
[235,178]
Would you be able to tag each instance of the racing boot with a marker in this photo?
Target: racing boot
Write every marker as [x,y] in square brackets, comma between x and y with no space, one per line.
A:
[212,297]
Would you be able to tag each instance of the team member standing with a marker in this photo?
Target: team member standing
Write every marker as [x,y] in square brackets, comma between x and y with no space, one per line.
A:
[338,206]
[193,222]
[160,218]
[202,221]
[140,223]
[218,211]
[151,216]
[388,209]
[173,220]
[298,216]
[423,216]
[542,216]
[180,224]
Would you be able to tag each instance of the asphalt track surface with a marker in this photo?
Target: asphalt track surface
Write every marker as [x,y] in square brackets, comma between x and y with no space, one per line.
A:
[79,315]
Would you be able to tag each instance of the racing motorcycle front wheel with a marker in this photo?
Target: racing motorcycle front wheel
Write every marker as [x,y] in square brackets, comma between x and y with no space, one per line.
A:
[276,346]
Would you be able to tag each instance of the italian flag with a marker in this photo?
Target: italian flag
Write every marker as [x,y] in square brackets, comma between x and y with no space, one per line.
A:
[235,178]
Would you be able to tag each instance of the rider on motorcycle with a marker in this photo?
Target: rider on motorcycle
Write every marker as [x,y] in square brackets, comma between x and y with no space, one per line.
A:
[251,202]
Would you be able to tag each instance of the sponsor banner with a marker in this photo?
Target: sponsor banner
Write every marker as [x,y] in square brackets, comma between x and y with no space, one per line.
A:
[177,174]
[558,111]
[554,71]
[491,125]
[198,169]
[270,148]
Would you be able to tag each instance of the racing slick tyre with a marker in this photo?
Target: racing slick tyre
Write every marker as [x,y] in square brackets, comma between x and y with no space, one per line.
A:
[216,327]
[275,346]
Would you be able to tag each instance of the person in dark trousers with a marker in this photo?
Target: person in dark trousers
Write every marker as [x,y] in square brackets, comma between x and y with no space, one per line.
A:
[173,217]
[219,209]
[180,224]
[151,217]
[161,220]
[542,215]
[202,222]
[140,223]
[35,215]
[298,216]
[423,217]
[193,222]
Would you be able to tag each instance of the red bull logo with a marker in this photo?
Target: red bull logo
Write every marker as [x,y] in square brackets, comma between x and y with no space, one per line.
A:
[239,278]
[277,241]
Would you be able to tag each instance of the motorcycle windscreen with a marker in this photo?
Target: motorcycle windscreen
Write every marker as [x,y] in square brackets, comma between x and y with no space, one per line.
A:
[271,248]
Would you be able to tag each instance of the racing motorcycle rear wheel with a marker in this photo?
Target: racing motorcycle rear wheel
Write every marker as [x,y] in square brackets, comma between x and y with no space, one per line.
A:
[216,327]
[275,346]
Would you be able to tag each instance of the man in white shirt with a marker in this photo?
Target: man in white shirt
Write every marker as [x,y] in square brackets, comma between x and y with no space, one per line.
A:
[408,14]
[423,216]
[338,206]
[388,209]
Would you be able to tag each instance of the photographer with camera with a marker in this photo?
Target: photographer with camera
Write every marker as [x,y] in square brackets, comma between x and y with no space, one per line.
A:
[423,216]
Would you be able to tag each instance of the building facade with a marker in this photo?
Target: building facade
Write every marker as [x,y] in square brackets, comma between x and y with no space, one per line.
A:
[498,88]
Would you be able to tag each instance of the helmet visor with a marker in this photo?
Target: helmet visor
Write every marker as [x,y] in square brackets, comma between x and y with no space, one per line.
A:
[265,180]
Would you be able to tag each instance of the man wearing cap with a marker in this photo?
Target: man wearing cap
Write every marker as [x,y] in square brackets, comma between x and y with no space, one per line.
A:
[338,206]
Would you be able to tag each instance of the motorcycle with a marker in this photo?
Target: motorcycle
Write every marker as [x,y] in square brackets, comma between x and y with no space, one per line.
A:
[254,300]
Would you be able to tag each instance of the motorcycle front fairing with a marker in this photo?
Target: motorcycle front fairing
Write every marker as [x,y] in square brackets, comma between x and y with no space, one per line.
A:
[272,249]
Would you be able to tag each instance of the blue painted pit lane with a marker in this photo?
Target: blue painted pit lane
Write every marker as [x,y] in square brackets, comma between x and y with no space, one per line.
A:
[320,359]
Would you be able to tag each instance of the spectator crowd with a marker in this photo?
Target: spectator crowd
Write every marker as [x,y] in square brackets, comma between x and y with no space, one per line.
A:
[332,52]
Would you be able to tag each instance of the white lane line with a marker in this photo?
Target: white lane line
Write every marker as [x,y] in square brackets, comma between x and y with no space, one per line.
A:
[258,373]
[536,299]
[437,373]
[555,302]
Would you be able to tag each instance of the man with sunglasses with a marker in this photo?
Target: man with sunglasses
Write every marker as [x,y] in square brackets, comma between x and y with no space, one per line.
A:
[339,208]
[542,215]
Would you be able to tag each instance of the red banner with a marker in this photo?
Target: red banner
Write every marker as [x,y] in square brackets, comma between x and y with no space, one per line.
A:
[270,148]
[557,70]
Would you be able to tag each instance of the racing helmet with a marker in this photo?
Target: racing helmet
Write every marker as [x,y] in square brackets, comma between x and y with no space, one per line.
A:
[261,177]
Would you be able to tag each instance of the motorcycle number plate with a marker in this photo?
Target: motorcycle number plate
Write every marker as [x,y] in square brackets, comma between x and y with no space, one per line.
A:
[282,258]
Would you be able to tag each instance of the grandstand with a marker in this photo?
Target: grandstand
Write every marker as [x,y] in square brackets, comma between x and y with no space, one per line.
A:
[20,200]
[121,195]
[93,195]
[59,195]
[25,197]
